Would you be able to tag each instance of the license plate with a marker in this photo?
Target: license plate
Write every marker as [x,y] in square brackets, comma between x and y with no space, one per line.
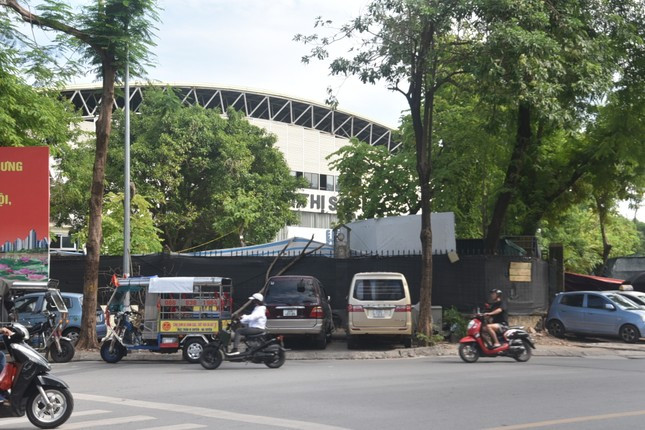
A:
[289,312]
[378,313]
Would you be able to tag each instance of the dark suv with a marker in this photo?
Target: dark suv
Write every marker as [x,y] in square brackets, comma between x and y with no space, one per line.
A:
[299,306]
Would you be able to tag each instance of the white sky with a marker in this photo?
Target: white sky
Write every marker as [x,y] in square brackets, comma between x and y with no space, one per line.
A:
[249,43]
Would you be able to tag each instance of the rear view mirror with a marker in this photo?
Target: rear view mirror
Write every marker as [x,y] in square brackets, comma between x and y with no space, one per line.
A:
[610,307]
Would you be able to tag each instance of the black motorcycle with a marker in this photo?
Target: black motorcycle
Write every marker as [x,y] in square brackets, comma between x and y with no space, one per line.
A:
[260,348]
[47,338]
[28,386]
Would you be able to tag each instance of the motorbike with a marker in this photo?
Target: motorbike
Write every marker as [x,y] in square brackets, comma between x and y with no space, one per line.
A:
[517,343]
[29,387]
[259,348]
[127,331]
[47,338]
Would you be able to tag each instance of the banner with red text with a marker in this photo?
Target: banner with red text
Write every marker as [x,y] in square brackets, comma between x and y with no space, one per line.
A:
[24,213]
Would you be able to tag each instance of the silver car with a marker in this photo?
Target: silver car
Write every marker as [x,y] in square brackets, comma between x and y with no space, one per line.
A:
[600,313]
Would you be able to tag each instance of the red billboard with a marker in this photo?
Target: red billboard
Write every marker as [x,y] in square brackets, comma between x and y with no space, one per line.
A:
[24,213]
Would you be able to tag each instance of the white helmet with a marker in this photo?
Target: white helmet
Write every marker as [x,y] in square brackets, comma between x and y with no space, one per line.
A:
[257,296]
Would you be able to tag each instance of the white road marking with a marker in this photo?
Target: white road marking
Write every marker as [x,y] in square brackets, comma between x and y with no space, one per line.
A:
[21,420]
[187,426]
[106,422]
[209,413]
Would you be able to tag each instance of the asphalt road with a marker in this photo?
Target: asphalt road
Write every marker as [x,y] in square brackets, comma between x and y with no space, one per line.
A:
[435,392]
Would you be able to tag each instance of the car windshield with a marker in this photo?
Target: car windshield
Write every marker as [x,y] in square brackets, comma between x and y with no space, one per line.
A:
[637,298]
[379,289]
[297,291]
[622,301]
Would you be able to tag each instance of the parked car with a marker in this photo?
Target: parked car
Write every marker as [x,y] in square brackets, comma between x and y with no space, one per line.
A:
[379,304]
[637,297]
[299,306]
[600,313]
[30,312]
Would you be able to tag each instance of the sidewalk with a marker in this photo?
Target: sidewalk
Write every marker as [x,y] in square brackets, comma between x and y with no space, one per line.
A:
[337,350]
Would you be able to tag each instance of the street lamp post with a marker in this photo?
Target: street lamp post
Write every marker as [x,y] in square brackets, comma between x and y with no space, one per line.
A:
[126,188]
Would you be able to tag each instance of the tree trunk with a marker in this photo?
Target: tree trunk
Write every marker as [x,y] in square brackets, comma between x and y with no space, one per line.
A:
[87,339]
[512,179]
[424,170]
[606,246]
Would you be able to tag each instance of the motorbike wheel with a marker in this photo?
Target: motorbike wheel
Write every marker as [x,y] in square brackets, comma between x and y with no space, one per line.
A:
[277,361]
[47,418]
[113,356]
[468,352]
[211,357]
[65,354]
[193,349]
[525,355]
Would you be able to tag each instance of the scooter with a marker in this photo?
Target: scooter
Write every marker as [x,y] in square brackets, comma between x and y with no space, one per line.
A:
[29,387]
[260,348]
[47,338]
[517,343]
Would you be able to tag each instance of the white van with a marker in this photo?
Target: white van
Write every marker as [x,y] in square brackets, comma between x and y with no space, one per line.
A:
[379,304]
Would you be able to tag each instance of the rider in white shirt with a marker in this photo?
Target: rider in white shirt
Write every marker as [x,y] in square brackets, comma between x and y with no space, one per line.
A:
[254,323]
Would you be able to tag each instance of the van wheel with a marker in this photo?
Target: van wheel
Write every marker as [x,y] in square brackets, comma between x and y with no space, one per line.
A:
[351,342]
[408,341]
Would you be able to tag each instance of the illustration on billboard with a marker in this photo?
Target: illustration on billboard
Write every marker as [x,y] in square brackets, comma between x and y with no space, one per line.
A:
[24,213]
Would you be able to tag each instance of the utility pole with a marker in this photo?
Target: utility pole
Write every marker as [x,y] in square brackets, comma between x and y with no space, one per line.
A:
[126,187]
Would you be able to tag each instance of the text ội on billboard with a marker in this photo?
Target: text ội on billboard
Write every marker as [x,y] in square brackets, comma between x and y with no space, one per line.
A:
[24,213]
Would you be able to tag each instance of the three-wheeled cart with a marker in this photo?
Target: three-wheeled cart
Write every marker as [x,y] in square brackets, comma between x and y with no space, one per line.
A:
[178,313]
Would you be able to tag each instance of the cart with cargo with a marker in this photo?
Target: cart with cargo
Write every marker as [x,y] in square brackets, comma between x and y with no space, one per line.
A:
[178,313]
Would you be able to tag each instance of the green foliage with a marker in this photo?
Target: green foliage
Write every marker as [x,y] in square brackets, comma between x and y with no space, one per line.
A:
[144,235]
[374,182]
[578,229]
[205,176]
[453,318]
[30,117]
[640,227]
[557,60]
[425,340]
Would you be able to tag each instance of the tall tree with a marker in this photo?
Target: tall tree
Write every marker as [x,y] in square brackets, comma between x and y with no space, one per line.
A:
[469,145]
[110,32]
[210,179]
[550,61]
[415,47]
[28,116]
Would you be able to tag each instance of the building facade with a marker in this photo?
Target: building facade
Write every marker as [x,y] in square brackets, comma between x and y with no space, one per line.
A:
[307,133]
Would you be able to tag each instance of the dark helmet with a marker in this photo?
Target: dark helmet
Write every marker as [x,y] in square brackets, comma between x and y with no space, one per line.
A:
[496,291]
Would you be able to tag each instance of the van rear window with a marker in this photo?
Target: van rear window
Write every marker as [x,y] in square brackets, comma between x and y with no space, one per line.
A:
[291,292]
[379,289]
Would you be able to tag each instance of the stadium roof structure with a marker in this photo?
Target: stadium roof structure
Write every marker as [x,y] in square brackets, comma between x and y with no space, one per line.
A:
[253,103]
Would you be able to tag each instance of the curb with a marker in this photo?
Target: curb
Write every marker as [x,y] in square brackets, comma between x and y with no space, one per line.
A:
[442,350]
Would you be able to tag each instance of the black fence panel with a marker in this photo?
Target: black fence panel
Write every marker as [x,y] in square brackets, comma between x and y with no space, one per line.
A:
[463,284]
